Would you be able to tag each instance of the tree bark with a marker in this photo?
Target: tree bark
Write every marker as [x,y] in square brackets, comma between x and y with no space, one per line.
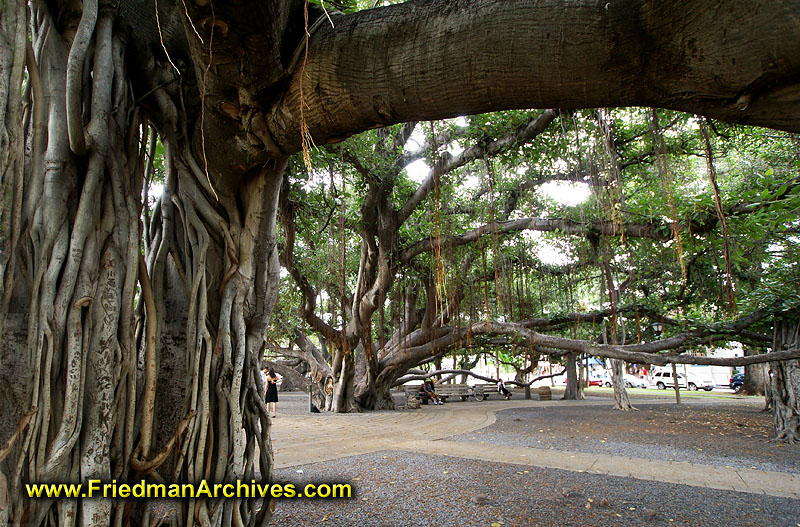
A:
[227,280]
[573,389]
[754,377]
[76,267]
[621,399]
[13,47]
[677,385]
[624,53]
[785,382]
[14,385]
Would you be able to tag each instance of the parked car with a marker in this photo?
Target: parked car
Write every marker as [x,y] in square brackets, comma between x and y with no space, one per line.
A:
[737,381]
[599,379]
[632,381]
[663,380]
[596,381]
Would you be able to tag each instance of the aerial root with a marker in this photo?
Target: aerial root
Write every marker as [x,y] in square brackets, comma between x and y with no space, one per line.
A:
[145,467]
[22,425]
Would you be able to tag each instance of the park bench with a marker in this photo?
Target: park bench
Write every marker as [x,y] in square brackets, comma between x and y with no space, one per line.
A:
[442,390]
[412,390]
[483,390]
[453,390]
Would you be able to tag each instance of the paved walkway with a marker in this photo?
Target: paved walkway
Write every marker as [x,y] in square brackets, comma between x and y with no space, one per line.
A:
[298,440]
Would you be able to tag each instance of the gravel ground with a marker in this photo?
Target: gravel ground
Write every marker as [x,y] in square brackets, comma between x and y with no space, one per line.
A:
[409,489]
[405,489]
[715,433]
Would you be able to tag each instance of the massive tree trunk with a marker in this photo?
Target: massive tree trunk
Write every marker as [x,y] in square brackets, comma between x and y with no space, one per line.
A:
[224,255]
[785,381]
[74,271]
[210,256]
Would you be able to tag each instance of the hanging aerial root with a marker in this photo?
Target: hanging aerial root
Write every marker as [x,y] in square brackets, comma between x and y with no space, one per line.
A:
[151,370]
[145,467]
[74,82]
[22,425]
[712,177]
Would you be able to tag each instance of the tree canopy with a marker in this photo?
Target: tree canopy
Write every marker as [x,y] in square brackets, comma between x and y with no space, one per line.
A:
[477,242]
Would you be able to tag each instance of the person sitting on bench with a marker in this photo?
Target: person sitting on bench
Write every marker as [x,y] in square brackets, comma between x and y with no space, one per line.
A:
[426,391]
[501,387]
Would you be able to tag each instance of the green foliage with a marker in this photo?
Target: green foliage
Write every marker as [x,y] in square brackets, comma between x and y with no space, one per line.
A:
[549,274]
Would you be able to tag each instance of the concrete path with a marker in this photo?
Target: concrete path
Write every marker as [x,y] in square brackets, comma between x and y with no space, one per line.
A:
[298,440]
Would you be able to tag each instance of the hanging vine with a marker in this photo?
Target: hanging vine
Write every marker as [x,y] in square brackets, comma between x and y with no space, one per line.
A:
[667,184]
[723,222]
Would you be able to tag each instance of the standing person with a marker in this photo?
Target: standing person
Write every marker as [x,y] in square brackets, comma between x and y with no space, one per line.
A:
[263,372]
[501,387]
[272,393]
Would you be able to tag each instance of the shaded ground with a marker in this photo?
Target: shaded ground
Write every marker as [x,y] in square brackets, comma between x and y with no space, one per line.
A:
[397,489]
[405,489]
[714,432]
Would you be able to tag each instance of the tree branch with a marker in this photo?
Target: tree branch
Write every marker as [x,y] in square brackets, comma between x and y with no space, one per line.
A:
[428,375]
[447,163]
[386,66]
[652,231]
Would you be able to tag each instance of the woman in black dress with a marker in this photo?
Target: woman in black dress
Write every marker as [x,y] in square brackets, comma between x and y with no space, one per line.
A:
[272,392]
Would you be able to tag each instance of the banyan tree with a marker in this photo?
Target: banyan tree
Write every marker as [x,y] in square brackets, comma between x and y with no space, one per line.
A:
[130,341]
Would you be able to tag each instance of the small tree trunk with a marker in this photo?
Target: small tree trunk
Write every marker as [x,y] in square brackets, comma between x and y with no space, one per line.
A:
[464,366]
[621,399]
[754,376]
[321,379]
[573,390]
[342,400]
[768,402]
[677,384]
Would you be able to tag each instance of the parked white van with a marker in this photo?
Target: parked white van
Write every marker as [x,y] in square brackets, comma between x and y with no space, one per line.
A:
[663,380]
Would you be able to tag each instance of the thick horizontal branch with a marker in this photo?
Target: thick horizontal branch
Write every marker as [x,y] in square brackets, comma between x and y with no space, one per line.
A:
[428,375]
[736,61]
[598,228]
[647,353]
[774,356]
[426,345]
